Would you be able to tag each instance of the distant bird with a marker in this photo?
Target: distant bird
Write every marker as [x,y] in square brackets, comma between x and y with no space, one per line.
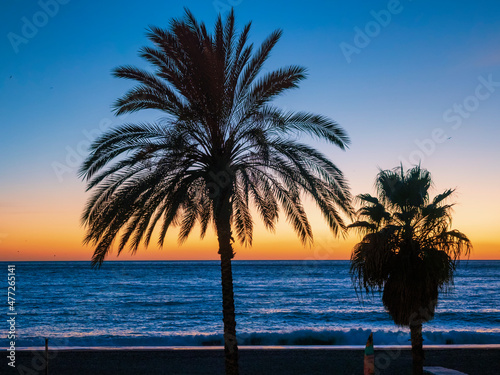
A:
[10,77]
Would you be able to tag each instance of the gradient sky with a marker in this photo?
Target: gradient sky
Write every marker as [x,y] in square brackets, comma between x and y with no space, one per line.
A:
[409,80]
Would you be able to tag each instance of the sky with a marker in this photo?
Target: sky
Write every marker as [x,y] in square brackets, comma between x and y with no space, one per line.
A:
[410,81]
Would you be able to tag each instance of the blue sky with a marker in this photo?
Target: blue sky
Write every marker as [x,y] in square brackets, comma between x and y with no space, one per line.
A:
[412,74]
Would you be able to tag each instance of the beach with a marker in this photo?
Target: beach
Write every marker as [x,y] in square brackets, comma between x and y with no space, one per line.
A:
[276,361]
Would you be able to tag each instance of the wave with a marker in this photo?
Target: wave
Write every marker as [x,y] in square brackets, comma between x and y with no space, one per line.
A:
[290,338]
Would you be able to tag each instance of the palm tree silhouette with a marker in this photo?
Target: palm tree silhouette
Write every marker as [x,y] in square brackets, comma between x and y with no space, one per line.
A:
[408,251]
[221,148]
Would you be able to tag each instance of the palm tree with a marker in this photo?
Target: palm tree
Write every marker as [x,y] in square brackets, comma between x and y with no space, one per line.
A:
[408,251]
[220,149]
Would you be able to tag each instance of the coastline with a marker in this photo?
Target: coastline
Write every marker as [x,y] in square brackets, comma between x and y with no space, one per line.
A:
[256,347]
[477,360]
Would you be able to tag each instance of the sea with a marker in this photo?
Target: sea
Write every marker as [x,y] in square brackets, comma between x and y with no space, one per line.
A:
[278,303]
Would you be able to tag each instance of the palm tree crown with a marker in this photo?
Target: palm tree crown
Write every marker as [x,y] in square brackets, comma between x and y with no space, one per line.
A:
[220,141]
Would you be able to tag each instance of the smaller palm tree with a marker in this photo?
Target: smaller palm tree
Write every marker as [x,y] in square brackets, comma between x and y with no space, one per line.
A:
[408,251]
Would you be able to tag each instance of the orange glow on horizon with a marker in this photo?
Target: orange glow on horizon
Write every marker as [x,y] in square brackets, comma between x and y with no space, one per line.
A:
[46,233]
[266,247]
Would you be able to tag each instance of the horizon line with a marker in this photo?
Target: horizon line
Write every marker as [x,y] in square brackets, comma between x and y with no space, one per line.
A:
[216,260]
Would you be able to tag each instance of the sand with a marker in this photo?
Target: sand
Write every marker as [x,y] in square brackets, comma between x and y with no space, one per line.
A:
[276,361]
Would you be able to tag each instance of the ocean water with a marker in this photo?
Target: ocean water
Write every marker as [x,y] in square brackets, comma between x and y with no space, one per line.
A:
[277,303]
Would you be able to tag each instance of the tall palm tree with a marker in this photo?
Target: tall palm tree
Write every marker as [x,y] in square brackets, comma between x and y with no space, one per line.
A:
[408,251]
[220,149]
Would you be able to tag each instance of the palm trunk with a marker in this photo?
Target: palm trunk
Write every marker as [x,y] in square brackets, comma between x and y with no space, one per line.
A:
[223,225]
[229,319]
[417,350]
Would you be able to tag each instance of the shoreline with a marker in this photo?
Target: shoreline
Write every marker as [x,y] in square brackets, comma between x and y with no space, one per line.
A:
[255,347]
[254,360]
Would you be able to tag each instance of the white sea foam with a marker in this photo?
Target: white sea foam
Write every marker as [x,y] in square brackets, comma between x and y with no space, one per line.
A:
[353,337]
